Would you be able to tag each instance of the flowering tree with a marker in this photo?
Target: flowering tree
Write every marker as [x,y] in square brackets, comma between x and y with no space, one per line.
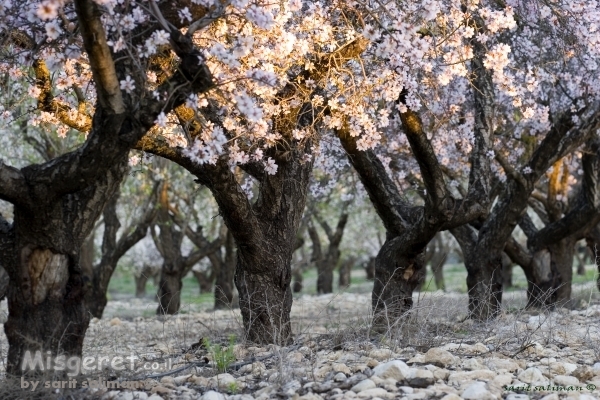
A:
[478,84]
[57,202]
[548,257]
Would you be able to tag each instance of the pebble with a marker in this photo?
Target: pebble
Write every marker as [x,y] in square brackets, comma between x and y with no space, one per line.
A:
[362,370]
[395,369]
[439,357]
[477,391]
[363,385]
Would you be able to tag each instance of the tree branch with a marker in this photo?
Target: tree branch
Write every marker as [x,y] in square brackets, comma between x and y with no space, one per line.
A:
[101,62]
[13,186]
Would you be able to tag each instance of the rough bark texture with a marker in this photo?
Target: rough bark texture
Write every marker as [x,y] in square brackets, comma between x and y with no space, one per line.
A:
[399,266]
[548,259]
[265,232]
[4,282]
[57,203]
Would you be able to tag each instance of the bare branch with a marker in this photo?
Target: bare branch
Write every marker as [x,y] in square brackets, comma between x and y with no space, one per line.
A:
[216,11]
[101,62]
[509,170]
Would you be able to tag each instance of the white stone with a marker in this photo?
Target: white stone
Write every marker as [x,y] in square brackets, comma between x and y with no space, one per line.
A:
[462,376]
[338,367]
[565,380]
[180,380]
[451,396]
[407,389]
[440,357]
[140,396]
[503,379]
[339,377]
[375,392]
[125,396]
[212,395]
[418,358]
[477,391]
[222,381]
[531,375]
[472,364]
[381,354]
[310,396]
[396,369]
[157,397]
[363,385]
[502,364]
[552,396]
[569,367]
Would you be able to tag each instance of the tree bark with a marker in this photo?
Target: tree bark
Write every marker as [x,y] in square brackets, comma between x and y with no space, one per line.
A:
[345,273]
[370,268]
[169,290]
[140,285]
[4,282]
[265,231]
[57,203]
[507,268]
[398,272]
[225,273]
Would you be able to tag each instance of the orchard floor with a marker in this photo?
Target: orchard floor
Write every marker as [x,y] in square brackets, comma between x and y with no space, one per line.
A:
[435,353]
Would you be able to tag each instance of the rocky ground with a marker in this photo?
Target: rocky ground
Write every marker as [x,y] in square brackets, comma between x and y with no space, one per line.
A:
[434,354]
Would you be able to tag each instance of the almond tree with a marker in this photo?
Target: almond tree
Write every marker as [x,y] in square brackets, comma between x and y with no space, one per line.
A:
[548,257]
[57,203]
[97,276]
[169,244]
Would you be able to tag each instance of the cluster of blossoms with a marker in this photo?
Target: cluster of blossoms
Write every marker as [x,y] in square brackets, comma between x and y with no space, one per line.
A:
[260,47]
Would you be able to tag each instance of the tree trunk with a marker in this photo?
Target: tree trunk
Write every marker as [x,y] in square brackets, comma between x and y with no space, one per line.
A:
[507,269]
[265,298]
[398,272]
[169,291]
[325,277]
[484,276]
[370,269]
[581,259]
[140,285]
[4,281]
[45,305]
[224,281]
[437,267]
[562,263]
[345,273]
